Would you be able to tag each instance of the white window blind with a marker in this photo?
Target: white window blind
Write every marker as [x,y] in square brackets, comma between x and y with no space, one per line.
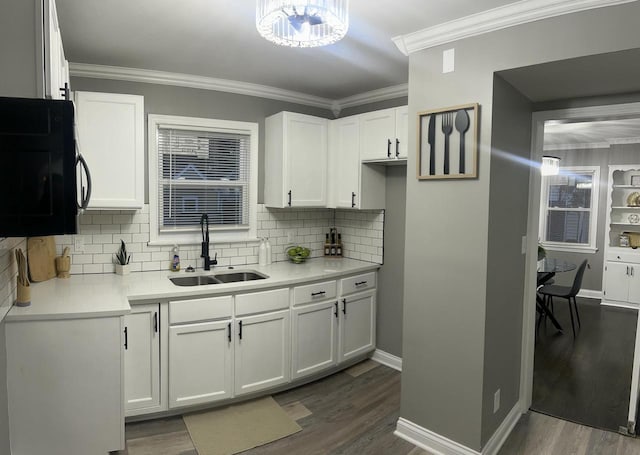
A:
[202,172]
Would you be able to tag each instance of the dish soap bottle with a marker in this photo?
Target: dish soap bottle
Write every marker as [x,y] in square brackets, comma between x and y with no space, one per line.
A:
[175,259]
[268,248]
[262,252]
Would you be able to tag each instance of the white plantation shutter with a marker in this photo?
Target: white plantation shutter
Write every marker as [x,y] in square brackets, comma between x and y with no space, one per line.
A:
[202,171]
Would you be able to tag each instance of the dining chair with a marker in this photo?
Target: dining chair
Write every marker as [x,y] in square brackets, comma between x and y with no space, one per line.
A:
[549,291]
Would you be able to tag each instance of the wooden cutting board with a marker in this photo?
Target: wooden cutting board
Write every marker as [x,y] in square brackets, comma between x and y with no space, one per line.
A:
[41,254]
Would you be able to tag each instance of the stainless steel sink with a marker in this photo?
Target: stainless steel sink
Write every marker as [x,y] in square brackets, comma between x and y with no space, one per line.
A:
[194,280]
[219,278]
[233,277]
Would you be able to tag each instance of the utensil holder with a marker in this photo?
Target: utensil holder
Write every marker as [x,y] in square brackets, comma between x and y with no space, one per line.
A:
[24,295]
[63,265]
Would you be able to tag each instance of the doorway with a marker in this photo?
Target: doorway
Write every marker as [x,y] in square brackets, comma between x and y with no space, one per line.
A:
[591,379]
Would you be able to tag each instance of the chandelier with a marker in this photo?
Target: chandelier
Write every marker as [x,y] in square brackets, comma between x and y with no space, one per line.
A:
[302,23]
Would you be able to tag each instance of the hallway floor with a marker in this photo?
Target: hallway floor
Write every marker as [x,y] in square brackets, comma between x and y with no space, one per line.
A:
[586,380]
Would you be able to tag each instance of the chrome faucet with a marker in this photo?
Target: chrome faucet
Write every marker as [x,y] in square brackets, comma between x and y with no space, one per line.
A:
[204,227]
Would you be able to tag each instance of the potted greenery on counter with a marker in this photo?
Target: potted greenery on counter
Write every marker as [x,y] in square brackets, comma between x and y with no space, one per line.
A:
[122,259]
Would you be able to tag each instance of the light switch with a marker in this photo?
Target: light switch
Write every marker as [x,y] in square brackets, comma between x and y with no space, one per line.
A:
[523,248]
[448,60]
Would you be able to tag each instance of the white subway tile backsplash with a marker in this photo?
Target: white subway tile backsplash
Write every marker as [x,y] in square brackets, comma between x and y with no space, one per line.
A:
[102,232]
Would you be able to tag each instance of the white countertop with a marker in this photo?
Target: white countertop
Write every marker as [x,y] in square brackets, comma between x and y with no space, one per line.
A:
[102,295]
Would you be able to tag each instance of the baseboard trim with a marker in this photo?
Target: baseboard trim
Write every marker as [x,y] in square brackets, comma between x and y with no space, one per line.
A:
[590,294]
[387,359]
[439,445]
[430,441]
[630,306]
[493,446]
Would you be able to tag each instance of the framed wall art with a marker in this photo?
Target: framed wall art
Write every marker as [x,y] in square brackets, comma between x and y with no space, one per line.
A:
[448,143]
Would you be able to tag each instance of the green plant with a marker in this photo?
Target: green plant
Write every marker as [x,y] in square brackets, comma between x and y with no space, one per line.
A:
[122,257]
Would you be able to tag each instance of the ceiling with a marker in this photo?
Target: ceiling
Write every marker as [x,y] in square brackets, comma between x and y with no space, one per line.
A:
[218,39]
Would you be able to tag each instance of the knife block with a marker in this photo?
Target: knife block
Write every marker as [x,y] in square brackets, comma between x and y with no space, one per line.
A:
[24,295]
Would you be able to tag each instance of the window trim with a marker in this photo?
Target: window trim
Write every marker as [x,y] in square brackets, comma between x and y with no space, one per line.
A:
[589,248]
[218,235]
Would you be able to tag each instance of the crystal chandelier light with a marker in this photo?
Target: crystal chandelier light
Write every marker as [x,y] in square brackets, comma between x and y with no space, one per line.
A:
[302,23]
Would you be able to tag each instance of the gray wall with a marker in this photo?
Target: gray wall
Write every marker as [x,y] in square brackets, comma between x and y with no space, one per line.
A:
[169,100]
[447,234]
[390,277]
[508,212]
[18,73]
[617,154]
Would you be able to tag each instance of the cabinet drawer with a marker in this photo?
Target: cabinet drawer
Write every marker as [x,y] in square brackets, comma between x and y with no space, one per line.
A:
[314,292]
[358,283]
[260,302]
[182,311]
[624,256]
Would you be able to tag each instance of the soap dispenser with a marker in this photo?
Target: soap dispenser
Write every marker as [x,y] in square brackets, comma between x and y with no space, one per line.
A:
[262,252]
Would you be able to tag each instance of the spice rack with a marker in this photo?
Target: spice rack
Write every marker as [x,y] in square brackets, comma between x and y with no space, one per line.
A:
[333,244]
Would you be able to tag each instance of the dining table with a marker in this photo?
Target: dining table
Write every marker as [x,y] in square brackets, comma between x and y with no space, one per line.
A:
[547,269]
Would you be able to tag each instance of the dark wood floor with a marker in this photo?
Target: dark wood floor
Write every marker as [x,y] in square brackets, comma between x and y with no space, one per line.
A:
[586,380]
[351,412]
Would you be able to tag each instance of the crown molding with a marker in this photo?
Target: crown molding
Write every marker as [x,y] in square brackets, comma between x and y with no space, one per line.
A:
[191,81]
[383,94]
[229,86]
[577,146]
[510,15]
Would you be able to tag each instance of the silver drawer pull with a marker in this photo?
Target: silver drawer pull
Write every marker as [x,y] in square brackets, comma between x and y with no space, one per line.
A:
[360,283]
[315,294]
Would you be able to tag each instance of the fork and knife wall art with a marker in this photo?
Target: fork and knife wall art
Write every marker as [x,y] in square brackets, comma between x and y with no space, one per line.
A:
[448,143]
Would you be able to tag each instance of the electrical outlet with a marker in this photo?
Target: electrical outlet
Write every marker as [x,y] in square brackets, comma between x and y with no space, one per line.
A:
[289,236]
[78,244]
[496,401]
[524,244]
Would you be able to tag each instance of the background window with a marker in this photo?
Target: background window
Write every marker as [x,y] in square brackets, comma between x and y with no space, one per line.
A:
[569,209]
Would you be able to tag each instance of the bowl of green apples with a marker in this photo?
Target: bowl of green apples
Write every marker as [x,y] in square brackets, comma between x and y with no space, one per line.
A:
[298,254]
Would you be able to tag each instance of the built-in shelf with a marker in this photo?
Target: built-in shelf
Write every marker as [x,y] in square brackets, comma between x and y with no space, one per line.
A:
[630,187]
[624,207]
[620,223]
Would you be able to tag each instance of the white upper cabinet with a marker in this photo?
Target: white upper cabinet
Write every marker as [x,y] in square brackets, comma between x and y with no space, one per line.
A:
[56,67]
[296,161]
[344,159]
[352,185]
[111,139]
[383,134]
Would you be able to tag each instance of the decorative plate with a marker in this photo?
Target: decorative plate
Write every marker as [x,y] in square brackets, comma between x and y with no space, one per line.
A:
[634,218]
[634,199]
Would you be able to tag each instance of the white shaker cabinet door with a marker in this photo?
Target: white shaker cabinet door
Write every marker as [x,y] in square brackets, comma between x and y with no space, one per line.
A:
[358,325]
[111,139]
[314,338]
[402,132]
[377,134]
[344,153]
[142,360]
[200,363]
[262,351]
[616,285]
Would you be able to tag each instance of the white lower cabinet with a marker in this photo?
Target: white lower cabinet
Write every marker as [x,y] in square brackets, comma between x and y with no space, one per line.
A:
[142,359]
[262,351]
[200,363]
[202,350]
[622,282]
[358,323]
[314,338]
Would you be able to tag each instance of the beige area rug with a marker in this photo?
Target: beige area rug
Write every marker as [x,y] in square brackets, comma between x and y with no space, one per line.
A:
[239,427]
